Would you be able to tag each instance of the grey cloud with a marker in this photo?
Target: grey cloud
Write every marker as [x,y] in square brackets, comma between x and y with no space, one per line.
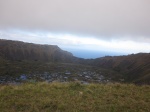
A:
[100,18]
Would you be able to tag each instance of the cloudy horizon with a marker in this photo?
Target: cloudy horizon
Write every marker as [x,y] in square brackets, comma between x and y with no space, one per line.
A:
[112,27]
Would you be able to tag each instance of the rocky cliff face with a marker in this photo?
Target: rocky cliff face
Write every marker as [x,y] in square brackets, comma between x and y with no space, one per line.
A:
[16,50]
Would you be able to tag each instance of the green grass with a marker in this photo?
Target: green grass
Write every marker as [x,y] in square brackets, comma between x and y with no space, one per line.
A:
[74,97]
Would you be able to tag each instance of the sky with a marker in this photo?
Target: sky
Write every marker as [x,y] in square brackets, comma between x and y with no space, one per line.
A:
[100,27]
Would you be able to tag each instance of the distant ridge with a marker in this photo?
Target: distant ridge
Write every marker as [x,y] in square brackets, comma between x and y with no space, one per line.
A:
[17,50]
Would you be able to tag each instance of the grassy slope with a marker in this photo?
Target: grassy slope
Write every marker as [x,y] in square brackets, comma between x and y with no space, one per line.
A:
[135,67]
[74,97]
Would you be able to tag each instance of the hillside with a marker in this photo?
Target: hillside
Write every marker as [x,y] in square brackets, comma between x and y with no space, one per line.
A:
[16,50]
[18,58]
[134,67]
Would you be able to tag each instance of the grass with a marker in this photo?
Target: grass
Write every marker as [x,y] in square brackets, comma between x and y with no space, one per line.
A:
[74,97]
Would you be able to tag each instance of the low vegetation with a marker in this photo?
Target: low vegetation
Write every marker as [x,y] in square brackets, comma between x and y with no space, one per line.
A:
[74,97]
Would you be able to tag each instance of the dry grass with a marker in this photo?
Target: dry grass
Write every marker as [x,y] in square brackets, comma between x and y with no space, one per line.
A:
[74,97]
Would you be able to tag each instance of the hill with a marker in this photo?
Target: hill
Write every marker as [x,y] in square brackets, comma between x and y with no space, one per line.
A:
[16,50]
[18,58]
[135,67]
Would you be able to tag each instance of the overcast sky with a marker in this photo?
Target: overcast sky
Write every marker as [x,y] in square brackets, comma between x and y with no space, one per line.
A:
[100,25]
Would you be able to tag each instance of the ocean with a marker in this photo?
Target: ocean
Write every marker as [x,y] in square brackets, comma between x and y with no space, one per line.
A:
[88,54]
